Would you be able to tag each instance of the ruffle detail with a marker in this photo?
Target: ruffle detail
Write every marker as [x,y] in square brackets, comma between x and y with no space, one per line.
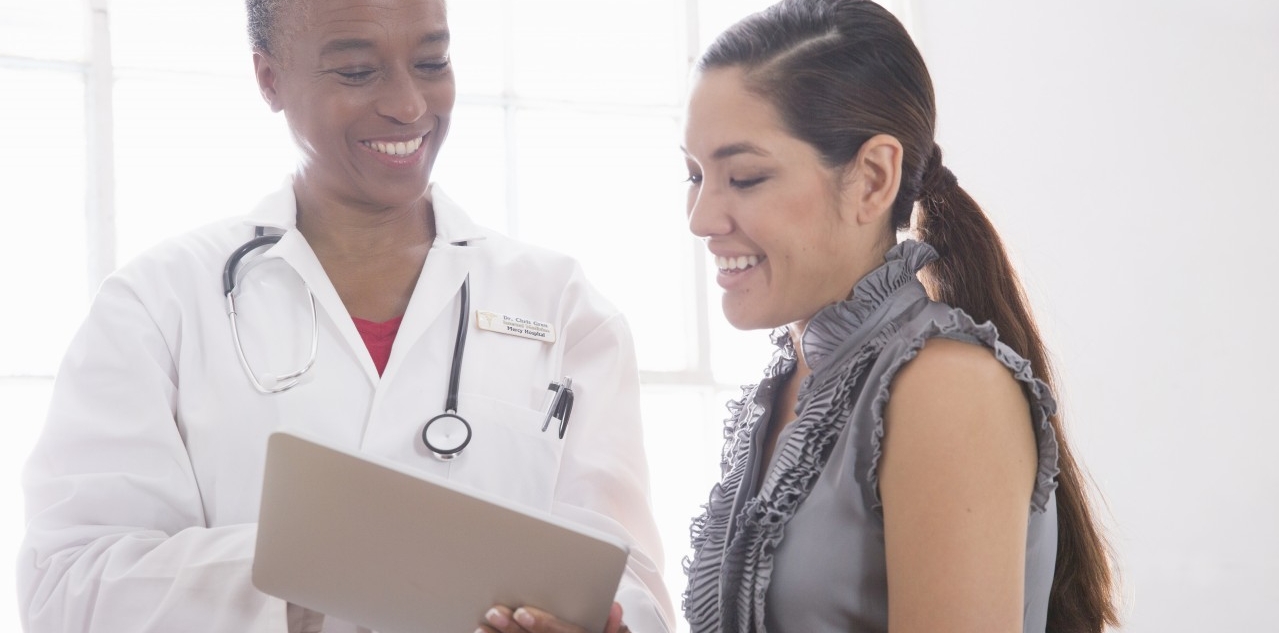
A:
[729,580]
[835,324]
[1043,405]
[708,533]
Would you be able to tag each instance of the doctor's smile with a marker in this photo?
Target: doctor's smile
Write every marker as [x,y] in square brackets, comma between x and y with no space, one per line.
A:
[395,148]
[398,153]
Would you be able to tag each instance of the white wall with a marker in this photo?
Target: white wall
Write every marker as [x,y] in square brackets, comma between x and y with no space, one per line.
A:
[1129,153]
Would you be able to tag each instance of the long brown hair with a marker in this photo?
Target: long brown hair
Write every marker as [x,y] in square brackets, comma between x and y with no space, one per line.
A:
[842,71]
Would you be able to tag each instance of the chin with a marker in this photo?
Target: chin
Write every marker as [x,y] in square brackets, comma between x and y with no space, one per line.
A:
[746,317]
[397,193]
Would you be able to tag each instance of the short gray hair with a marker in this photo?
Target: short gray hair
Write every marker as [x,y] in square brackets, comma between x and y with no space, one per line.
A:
[262,21]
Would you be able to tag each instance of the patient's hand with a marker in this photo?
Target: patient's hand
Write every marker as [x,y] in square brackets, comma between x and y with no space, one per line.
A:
[501,619]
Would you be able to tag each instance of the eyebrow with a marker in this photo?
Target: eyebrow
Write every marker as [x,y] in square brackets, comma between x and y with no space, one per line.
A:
[356,43]
[734,149]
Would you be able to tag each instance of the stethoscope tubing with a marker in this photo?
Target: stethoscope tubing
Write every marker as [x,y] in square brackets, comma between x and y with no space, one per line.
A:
[459,347]
[450,415]
[228,271]
[283,382]
[449,431]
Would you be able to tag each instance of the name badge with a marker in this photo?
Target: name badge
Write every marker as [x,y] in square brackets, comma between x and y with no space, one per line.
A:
[515,326]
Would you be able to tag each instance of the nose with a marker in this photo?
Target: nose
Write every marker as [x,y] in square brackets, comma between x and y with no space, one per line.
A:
[402,98]
[707,214]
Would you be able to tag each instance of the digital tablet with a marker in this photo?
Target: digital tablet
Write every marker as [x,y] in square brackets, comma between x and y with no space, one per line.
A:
[378,545]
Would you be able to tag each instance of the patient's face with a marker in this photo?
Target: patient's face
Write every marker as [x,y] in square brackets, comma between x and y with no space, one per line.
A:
[771,212]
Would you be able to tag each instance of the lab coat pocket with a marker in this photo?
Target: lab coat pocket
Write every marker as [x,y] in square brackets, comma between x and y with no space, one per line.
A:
[508,455]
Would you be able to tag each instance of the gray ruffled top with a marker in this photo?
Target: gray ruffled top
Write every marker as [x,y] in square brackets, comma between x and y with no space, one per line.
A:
[803,551]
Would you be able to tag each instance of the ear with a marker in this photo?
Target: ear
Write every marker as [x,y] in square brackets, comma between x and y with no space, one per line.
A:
[266,69]
[873,178]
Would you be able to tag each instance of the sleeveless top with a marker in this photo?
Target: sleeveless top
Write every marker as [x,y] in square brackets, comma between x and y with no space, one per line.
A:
[803,551]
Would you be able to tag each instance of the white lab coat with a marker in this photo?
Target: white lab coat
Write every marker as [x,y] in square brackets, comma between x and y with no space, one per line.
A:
[143,490]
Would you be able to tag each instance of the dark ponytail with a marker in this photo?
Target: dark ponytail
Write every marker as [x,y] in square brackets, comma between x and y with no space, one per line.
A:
[973,273]
[842,71]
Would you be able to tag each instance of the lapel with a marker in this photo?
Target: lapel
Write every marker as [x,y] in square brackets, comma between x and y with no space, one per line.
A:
[452,258]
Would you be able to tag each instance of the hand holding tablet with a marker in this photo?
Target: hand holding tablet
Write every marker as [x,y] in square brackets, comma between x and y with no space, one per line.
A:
[376,544]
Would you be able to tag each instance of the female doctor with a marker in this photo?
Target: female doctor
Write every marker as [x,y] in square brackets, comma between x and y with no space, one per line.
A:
[370,298]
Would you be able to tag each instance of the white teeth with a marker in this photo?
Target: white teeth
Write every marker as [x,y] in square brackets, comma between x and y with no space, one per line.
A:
[741,262]
[403,148]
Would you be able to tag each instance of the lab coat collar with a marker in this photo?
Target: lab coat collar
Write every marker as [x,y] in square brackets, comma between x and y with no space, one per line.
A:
[279,210]
[452,224]
[448,264]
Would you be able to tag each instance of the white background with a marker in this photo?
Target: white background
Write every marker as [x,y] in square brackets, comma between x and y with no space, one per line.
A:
[1129,154]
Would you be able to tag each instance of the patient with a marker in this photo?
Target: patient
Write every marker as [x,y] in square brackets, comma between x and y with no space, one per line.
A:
[901,466]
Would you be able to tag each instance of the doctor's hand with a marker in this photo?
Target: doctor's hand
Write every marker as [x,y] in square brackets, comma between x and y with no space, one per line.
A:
[501,619]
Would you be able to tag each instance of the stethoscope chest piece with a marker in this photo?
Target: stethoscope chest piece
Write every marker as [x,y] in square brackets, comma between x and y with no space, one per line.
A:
[446,435]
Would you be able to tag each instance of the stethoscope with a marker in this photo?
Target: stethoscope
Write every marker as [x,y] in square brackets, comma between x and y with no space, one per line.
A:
[445,435]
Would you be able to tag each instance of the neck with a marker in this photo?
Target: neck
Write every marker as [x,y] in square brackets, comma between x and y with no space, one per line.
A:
[372,255]
[796,333]
[351,231]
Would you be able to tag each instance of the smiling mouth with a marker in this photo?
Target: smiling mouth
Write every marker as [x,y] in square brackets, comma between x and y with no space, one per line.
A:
[737,264]
[400,148]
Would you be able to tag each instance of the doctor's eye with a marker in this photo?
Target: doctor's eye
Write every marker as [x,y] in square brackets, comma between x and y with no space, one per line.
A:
[433,66]
[694,179]
[354,75]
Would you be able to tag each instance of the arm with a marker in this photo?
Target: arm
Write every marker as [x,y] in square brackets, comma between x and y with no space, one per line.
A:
[603,482]
[604,476]
[116,537]
[956,477]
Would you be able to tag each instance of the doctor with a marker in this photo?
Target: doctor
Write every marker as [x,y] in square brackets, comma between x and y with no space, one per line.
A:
[143,491]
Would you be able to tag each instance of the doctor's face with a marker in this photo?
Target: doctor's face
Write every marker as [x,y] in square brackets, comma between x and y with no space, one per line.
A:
[367,89]
[775,217]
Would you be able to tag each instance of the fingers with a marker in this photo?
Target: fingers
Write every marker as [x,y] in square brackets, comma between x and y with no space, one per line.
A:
[615,624]
[500,619]
[538,621]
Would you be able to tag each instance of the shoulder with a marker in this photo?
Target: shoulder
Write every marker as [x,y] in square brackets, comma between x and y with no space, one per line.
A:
[520,277]
[512,257]
[952,389]
[957,419]
[509,252]
[949,368]
[956,414]
[945,384]
[180,257]
[523,278]
[169,281]
[941,353]
[207,247]
[539,276]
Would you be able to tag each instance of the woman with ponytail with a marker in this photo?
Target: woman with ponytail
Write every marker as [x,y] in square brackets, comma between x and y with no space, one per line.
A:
[901,465]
